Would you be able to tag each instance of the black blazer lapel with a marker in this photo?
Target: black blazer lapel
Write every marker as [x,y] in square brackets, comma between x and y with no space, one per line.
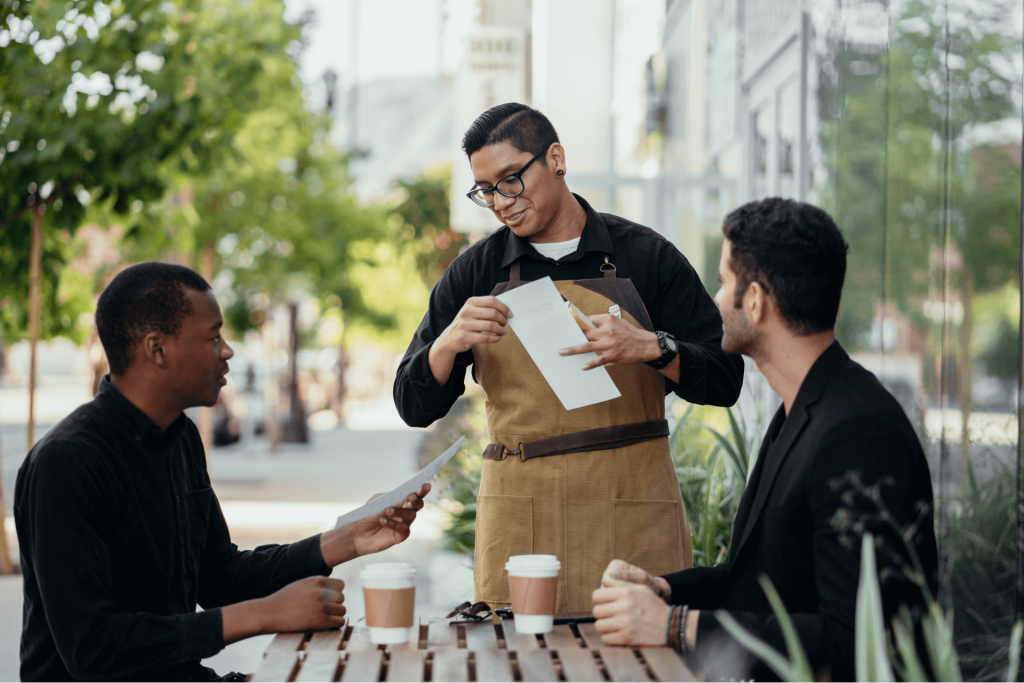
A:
[747,499]
[810,392]
[774,458]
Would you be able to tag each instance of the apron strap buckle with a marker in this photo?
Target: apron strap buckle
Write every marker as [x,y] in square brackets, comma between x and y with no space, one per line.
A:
[608,268]
[497,451]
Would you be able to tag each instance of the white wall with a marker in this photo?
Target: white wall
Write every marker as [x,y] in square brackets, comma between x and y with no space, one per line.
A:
[572,67]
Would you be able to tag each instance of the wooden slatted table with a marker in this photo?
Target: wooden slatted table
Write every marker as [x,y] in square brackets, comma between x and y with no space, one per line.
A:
[487,651]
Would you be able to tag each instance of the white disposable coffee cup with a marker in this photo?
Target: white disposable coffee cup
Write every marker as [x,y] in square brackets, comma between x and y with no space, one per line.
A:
[389,591]
[533,584]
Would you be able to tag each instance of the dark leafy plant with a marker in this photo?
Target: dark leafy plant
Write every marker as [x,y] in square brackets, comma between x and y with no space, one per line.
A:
[980,551]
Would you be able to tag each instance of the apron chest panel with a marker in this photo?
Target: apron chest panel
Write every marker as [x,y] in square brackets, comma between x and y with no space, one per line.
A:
[585,507]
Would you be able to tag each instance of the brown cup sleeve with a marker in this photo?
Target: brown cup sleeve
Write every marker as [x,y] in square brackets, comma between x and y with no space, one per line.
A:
[531,595]
[389,607]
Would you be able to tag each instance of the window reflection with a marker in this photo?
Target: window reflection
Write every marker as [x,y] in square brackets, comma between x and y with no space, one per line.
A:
[762,129]
[910,137]
[789,120]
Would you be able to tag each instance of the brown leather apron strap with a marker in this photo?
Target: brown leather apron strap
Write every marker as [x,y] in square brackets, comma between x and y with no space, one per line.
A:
[600,439]
[513,272]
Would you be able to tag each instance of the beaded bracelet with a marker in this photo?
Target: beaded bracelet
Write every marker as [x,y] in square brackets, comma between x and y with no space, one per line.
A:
[675,629]
[670,627]
[682,629]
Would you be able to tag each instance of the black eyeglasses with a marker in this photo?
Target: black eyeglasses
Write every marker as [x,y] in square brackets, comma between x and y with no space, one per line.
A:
[510,186]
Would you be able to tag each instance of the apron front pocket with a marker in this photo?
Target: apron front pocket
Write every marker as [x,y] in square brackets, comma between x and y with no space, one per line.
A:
[504,527]
[647,535]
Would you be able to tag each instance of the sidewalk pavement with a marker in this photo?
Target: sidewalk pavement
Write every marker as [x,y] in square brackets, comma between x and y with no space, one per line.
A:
[296,492]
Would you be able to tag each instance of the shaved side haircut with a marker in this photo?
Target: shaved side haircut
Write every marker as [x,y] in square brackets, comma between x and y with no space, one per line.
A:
[521,126]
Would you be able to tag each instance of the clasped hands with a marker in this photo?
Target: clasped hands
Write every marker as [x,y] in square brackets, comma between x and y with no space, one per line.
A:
[631,606]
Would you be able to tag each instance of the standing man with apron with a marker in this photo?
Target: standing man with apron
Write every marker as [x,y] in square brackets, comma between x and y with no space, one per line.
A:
[596,483]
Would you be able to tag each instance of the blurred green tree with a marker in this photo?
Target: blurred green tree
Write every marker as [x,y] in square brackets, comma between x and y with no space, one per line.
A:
[421,219]
[894,208]
[97,102]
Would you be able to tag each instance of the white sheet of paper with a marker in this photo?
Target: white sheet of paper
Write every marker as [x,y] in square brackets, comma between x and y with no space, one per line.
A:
[545,326]
[397,496]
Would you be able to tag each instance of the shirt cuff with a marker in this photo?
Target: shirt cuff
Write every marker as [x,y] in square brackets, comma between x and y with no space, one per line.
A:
[204,635]
[693,372]
[308,557]
[428,391]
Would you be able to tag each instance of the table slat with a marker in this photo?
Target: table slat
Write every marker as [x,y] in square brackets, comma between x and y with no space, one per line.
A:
[321,665]
[363,665]
[406,665]
[622,665]
[285,642]
[590,635]
[578,664]
[518,641]
[492,665]
[536,665]
[666,664]
[451,665]
[442,636]
[325,641]
[359,640]
[481,636]
[414,640]
[277,666]
[561,637]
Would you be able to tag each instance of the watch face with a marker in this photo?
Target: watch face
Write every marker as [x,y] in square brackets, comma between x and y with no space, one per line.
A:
[671,343]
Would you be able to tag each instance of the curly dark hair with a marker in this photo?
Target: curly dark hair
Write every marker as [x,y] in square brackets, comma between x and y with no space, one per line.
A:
[796,252]
[143,298]
[521,126]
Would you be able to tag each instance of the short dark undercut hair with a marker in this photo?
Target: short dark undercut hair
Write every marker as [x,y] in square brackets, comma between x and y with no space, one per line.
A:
[144,298]
[521,126]
[796,252]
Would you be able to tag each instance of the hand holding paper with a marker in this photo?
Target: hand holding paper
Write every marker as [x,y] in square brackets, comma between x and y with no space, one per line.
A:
[544,326]
[397,496]
[384,520]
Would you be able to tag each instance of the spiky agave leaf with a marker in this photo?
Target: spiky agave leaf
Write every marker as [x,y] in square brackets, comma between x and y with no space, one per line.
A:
[871,658]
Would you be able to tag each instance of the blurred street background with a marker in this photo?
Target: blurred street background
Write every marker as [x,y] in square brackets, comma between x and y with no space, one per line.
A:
[303,156]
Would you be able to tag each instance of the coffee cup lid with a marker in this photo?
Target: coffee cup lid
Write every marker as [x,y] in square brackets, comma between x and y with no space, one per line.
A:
[533,562]
[389,570]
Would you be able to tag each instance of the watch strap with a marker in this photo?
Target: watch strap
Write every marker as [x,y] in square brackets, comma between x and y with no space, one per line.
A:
[668,354]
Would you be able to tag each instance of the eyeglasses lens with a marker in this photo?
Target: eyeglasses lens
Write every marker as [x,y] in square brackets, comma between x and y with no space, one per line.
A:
[510,187]
[483,198]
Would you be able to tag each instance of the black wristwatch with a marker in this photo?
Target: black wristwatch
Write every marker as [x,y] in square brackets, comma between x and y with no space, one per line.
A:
[669,350]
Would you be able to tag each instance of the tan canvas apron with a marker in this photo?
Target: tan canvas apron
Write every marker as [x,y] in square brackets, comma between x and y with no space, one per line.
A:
[609,491]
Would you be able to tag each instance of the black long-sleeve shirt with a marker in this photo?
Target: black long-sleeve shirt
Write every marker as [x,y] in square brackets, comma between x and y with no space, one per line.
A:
[666,282]
[121,537]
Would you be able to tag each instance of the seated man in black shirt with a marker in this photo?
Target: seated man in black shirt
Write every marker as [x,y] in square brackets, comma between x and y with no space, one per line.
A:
[840,458]
[121,535]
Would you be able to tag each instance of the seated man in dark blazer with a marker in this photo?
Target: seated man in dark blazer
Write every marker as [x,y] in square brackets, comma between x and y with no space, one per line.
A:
[839,459]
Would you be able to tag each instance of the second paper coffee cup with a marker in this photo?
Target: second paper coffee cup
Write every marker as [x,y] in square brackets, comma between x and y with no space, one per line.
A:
[533,583]
[389,590]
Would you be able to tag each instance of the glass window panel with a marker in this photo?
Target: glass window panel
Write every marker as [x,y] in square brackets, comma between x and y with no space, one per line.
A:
[789,123]
[914,147]
[762,129]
